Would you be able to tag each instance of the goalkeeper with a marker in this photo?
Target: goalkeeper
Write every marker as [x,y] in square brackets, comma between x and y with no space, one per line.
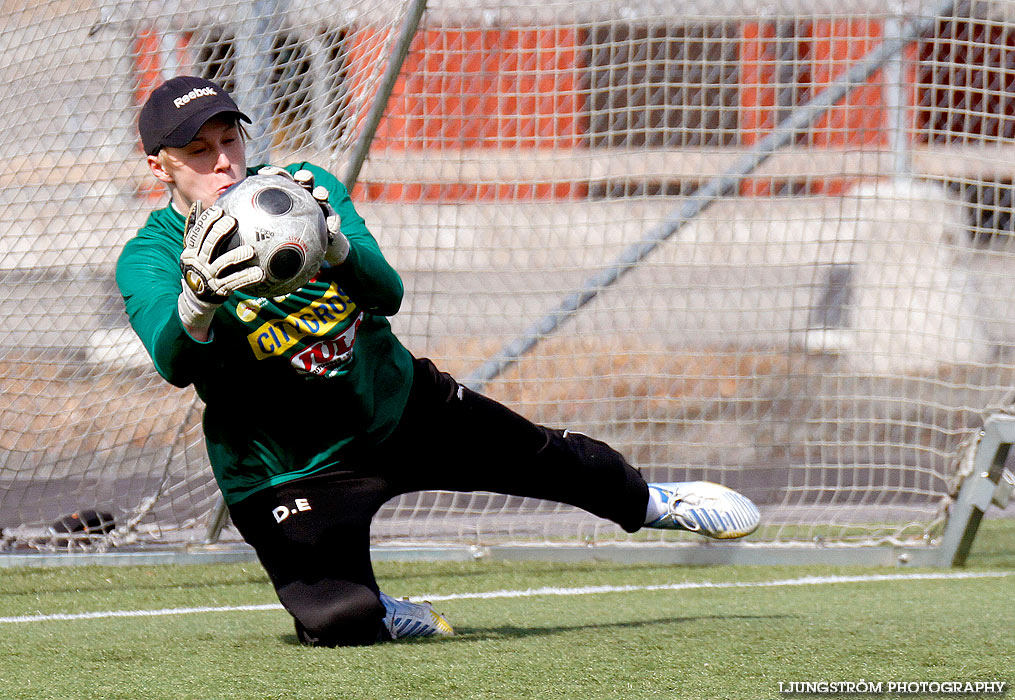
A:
[315,414]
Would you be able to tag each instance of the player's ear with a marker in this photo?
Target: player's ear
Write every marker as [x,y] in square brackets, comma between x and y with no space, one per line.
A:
[158,167]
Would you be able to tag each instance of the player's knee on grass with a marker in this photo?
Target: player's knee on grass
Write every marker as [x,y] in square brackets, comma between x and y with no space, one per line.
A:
[332,613]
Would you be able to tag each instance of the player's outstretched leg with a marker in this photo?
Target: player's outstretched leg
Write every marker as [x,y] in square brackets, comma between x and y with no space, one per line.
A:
[703,507]
[405,619]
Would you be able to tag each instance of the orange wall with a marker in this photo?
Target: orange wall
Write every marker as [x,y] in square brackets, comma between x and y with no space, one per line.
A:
[483,89]
[828,48]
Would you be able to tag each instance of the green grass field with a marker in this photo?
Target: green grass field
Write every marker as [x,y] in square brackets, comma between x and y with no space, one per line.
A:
[689,642]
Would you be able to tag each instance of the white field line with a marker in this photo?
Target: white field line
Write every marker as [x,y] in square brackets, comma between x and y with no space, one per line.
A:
[537,592]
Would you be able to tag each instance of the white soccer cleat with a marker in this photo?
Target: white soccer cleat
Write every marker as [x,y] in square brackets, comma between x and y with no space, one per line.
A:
[405,619]
[705,508]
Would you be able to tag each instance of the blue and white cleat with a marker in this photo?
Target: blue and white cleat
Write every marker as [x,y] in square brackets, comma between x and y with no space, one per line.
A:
[404,619]
[705,508]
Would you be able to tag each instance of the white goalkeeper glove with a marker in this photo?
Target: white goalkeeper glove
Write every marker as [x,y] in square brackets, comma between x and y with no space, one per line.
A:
[338,244]
[211,274]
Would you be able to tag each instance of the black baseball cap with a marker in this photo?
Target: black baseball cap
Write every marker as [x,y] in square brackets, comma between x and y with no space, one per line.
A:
[178,108]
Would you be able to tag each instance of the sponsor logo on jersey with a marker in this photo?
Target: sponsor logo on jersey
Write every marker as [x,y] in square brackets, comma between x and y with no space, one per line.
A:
[247,310]
[318,318]
[324,356]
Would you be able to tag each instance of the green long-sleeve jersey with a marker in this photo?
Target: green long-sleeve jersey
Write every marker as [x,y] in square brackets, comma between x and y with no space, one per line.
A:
[290,384]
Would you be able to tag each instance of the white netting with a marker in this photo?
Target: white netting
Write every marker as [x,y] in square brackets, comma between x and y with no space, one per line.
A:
[826,337]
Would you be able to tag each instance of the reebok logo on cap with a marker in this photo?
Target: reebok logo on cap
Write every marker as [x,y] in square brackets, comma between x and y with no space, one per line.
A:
[193,95]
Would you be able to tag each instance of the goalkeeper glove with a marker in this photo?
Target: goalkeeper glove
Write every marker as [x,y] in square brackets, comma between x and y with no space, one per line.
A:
[210,274]
[338,244]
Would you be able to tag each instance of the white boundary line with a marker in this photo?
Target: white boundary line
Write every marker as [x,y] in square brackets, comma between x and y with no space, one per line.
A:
[537,592]
[137,613]
[694,585]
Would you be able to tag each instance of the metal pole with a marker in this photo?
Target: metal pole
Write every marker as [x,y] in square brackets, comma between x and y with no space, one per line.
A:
[707,195]
[896,97]
[255,39]
[217,519]
[409,26]
[977,491]
[319,93]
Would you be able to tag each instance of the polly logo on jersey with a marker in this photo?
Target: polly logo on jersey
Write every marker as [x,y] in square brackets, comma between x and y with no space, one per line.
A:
[325,355]
[283,512]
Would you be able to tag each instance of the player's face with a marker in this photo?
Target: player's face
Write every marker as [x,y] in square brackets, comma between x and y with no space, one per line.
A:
[206,166]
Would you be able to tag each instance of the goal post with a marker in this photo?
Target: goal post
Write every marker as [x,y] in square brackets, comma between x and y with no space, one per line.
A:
[774,240]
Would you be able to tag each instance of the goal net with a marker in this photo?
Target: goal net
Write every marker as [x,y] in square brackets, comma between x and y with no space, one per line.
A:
[825,331]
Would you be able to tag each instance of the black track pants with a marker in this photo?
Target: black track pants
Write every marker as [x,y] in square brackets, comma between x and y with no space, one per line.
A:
[313,535]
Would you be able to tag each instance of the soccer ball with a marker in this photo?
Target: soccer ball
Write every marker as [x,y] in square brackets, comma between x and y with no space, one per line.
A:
[284,224]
